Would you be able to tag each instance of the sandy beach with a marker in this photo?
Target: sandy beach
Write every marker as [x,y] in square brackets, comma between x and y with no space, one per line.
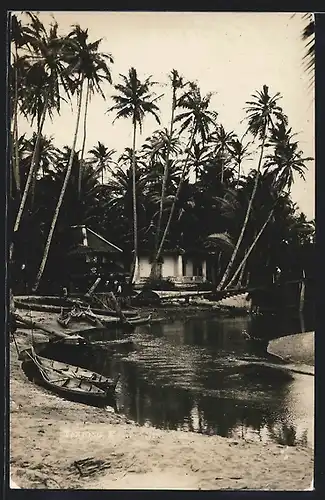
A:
[58,444]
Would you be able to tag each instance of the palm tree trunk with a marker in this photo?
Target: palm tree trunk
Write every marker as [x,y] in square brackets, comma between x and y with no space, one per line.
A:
[241,276]
[238,178]
[176,196]
[222,166]
[60,200]
[33,183]
[135,213]
[302,292]
[249,251]
[15,131]
[32,167]
[248,212]
[154,270]
[83,141]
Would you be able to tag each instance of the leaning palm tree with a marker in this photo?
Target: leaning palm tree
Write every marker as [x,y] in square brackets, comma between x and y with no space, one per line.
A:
[18,39]
[286,160]
[46,58]
[197,119]
[263,113]
[79,70]
[280,168]
[135,100]
[93,68]
[177,83]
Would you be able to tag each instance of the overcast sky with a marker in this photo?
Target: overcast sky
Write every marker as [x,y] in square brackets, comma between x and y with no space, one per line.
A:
[231,54]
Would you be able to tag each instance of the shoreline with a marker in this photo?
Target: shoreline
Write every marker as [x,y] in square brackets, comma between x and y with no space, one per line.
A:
[50,436]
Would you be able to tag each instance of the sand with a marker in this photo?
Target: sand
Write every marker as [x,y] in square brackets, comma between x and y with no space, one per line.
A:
[49,435]
[298,348]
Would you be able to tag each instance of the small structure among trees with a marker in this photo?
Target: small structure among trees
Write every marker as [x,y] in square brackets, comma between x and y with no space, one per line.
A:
[91,256]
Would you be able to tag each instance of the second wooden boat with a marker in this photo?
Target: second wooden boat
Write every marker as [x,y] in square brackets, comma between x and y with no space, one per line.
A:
[88,387]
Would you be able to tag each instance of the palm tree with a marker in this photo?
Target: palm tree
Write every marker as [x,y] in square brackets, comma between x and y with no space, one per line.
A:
[262,111]
[135,100]
[223,141]
[280,168]
[177,83]
[199,156]
[80,68]
[239,152]
[197,119]
[48,68]
[157,145]
[308,36]
[102,159]
[48,154]
[18,39]
[287,159]
[120,202]
[91,66]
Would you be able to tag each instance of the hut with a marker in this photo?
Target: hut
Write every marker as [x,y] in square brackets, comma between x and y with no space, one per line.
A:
[91,256]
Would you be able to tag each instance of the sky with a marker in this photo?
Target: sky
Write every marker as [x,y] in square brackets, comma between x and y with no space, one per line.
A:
[230,54]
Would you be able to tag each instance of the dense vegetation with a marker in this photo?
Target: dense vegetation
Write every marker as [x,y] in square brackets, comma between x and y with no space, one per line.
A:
[181,187]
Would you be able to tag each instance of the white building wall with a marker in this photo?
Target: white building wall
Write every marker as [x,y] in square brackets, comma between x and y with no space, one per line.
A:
[144,267]
[189,267]
[172,266]
[168,267]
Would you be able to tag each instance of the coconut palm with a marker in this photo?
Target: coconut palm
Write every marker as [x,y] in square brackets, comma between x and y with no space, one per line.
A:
[18,39]
[80,68]
[286,160]
[48,71]
[280,166]
[199,156]
[197,119]
[159,144]
[308,36]
[102,159]
[223,140]
[239,152]
[177,83]
[135,100]
[48,154]
[91,66]
[263,113]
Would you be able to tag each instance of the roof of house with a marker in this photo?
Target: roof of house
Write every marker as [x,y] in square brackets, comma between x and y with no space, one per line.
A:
[84,240]
[180,251]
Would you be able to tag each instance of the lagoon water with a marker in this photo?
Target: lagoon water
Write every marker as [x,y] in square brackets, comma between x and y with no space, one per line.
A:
[199,375]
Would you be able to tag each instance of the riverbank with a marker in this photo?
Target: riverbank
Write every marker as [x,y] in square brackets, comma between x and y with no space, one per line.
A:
[51,438]
[298,348]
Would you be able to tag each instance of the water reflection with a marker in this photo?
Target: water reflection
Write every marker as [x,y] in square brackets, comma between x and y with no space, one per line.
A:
[198,375]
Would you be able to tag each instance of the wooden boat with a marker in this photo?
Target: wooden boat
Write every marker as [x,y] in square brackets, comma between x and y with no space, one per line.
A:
[131,322]
[57,304]
[71,381]
[71,370]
